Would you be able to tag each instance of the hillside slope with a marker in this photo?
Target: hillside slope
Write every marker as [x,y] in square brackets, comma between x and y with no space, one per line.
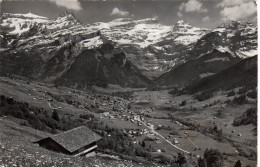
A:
[197,69]
[244,73]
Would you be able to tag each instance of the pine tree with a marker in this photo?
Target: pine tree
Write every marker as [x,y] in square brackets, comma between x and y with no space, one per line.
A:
[181,159]
[238,164]
[143,144]
[55,116]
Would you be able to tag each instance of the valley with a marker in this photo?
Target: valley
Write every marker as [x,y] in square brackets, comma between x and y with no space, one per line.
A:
[156,118]
[158,95]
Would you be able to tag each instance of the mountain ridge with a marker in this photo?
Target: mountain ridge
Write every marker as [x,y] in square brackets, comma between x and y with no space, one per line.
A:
[154,49]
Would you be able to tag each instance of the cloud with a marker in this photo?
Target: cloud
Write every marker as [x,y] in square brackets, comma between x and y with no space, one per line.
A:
[228,3]
[69,4]
[179,14]
[191,6]
[118,12]
[237,9]
[206,19]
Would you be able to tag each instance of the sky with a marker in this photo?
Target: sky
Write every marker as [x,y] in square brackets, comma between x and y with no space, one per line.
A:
[199,13]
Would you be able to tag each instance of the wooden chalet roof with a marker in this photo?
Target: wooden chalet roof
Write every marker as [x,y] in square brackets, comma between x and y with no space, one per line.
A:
[76,138]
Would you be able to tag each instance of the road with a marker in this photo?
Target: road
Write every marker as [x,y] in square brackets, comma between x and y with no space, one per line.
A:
[52,107]
[158,134]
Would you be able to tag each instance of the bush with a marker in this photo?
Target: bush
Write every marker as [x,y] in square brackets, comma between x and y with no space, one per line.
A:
[240,99]
[242,90]
[173,91]
[181,159]
[250,116]
[86,116]
[213,158]
[55,115]
[183,103]
[231,93]
[201,162]
[252,94]
[238,164]
[204,96]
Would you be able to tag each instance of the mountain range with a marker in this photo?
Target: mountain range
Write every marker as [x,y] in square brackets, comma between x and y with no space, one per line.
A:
[126,52]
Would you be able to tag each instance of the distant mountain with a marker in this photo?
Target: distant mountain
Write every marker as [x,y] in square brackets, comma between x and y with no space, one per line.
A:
[155,48]
[197,69]
[152,47]
[243,73]
[236,37]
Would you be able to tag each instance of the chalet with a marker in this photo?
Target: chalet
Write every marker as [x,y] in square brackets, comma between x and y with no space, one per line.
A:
[78,141]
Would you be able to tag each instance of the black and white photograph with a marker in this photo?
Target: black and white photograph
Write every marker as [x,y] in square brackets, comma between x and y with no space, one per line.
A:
[128,83]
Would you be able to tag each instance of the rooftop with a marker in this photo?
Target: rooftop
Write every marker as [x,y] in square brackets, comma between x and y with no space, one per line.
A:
[76,138]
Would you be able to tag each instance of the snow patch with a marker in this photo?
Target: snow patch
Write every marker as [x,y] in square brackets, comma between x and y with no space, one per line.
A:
[92,42]
[249,53]
[217,59]
[204,75]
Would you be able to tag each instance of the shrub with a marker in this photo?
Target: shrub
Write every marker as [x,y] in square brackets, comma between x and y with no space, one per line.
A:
[86,116]
[201,162]
[242,90]
[238,164]
[183,103]
[231,93]
[252,94]
[204,96]
[250,116]
[173,91]
[213,158]
[55,116]
[181,159]
[240,99]
[143,144]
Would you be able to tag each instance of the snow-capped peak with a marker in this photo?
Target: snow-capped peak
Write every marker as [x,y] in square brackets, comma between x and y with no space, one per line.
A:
[182,25]
[181,22]
[23,16]
[186,34]
[68,15]
[30,15]
[127,31]
[16,24]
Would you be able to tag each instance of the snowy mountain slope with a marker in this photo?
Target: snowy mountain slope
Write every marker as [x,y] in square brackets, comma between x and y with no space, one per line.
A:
[147,32]
[184,33]
[149,38]
[17,24]
[236,37]
[126,31]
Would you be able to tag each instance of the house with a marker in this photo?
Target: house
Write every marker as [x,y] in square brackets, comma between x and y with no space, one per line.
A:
[78,141]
